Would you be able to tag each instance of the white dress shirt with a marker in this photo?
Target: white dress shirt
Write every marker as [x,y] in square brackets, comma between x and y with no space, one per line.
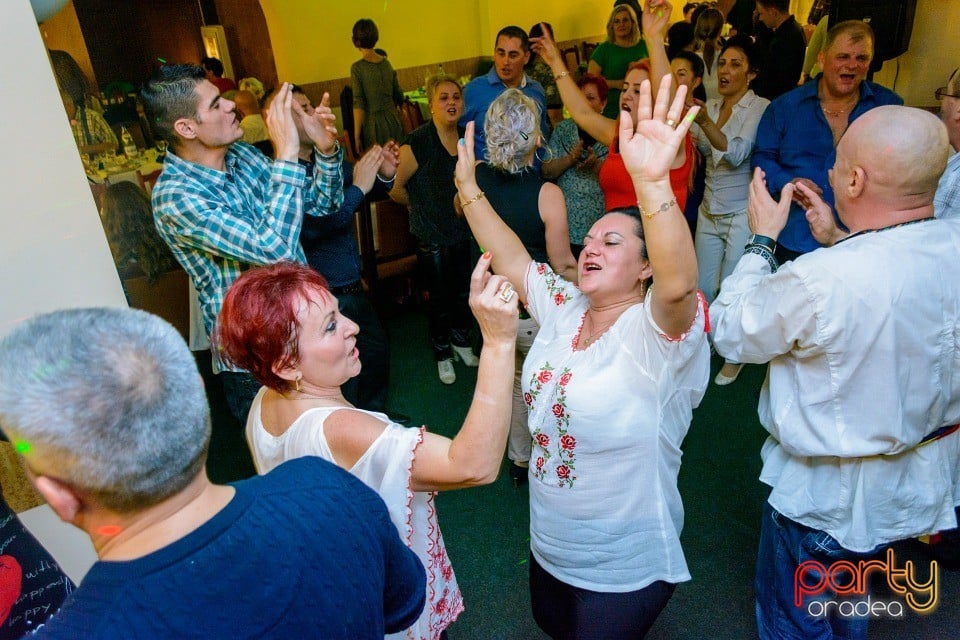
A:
[863,341]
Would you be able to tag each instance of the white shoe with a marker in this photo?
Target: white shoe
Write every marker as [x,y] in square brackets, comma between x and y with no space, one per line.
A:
[446,372]
[722,379]
[466,355]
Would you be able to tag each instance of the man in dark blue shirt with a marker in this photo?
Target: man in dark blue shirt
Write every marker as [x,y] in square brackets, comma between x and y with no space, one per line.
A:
[304,551]
[330,246]
[799,132]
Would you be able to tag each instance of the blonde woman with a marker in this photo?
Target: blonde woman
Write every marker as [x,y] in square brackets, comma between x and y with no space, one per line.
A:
[611,58]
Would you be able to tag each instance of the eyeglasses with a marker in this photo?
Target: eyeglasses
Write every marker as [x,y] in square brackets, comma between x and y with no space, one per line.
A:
[941,93]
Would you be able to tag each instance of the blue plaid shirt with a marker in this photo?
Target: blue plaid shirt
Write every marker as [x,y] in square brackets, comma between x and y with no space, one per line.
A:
[219,223]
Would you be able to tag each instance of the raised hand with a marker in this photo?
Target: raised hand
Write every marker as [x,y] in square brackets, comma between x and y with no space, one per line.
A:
[546,48]
[319,125]
[656,18]
[800,197]
[823,226]
[281,126]
[390,160]
[465,174]
[649,150]
[766,216]
[494,304]
[365,171]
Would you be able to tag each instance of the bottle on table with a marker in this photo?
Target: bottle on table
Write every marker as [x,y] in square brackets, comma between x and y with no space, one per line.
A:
[129,146]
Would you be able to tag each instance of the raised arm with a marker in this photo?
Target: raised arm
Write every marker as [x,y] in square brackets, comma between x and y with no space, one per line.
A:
[602,128]
[510,257]
[655,20]
[648,153]
[474,455]
[553,213]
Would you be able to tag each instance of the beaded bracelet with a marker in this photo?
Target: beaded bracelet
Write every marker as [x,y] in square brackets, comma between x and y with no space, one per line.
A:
[464,205]
[663,207]
[764,253]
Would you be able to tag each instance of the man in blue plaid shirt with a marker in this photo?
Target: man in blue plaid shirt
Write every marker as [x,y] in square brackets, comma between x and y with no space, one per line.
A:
[220,204]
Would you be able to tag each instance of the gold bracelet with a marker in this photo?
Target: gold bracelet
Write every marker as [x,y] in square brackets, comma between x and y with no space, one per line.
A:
[663,207]
[561,75]
[464,205]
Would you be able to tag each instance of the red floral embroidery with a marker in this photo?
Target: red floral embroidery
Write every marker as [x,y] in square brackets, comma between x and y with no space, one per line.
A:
[557,399]
[541,268]
[559,299]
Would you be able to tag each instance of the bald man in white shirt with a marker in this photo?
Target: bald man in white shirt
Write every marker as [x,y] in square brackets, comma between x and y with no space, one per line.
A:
[862,395]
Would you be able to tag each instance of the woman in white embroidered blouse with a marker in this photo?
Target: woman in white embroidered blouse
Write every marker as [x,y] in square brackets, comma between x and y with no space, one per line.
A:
[726,134]
[282,324]
[610,382]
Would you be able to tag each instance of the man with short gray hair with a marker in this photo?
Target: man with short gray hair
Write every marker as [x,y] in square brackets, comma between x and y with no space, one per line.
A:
[109,413]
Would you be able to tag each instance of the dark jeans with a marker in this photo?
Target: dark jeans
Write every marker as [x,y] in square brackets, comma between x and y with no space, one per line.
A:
[369,389]
[240,388]
[445,274]
[566,612]
[784,544]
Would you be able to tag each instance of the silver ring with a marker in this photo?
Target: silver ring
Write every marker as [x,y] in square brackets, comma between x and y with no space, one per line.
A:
[671,123]
[506,292]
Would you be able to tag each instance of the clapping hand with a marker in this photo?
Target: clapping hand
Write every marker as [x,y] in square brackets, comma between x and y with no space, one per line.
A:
[649,149]
[766,216]
[823,226]
[365,171]
[319,124]
[281,126]
[389,161]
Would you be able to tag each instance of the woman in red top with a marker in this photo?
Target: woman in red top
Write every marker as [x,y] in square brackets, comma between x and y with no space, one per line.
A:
[614,180]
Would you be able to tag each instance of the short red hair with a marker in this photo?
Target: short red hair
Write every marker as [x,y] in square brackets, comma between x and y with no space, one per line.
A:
[643,64]
[258,327]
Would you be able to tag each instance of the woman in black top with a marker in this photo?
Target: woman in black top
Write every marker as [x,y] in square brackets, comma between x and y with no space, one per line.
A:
[424,183]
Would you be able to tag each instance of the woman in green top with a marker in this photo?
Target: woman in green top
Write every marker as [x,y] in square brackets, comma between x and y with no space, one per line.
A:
[611,58]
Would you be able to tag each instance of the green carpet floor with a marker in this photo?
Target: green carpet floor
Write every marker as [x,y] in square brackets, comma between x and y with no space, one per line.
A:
[486,529]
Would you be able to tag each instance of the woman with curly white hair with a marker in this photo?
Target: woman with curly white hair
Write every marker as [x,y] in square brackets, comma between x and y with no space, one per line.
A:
[252,85]
[536,211]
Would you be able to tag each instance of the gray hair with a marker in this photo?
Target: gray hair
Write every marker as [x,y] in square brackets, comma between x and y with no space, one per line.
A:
[512,130]
[107,400]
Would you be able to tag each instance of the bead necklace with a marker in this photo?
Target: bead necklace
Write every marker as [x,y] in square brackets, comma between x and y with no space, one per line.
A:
[893,226]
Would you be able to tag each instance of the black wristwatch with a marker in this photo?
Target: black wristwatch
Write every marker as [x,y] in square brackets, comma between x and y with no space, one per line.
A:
[763,241]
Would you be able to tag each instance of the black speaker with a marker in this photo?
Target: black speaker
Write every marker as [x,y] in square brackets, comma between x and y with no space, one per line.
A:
[891,20]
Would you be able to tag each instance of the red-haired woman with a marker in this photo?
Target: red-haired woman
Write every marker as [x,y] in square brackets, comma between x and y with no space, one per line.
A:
[614,180]
[282,324]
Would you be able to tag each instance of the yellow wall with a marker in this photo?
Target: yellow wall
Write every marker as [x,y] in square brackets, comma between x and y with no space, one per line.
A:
[933,55]
[311,40]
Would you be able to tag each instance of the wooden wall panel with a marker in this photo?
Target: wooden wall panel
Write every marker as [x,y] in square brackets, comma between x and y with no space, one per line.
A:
[248,39]
[124,44]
